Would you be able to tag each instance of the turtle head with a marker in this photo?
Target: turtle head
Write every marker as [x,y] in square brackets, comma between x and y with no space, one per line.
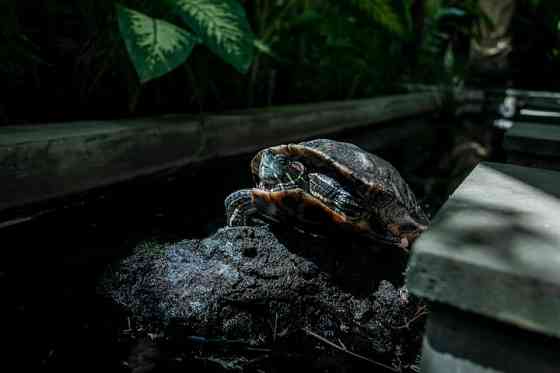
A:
[278,172]
[406,227]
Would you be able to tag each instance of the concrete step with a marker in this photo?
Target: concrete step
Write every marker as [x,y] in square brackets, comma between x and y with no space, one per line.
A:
[492,256]
[533,145]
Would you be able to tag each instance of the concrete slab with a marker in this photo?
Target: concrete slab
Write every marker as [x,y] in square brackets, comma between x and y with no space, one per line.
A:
[533,138]
[434,361]
[457,341]
[494,248]
[533,160]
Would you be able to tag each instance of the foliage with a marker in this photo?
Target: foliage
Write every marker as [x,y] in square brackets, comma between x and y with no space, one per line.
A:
[338,50]
[443,52]
[78,60]
[76,56]
[157,46]
[382,12]
[154,45]
[223,27]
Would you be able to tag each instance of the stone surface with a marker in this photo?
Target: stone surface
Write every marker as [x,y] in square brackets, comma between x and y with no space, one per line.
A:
[457,341]
[533,138]
[533,160]
[494,248]
[39,162]
[273,289]
[434,361]
[540,114]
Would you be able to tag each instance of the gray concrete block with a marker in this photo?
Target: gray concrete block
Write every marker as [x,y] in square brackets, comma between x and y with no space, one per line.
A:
[457,341]
[434,361]
[494,248]
[533,138]
[533,160]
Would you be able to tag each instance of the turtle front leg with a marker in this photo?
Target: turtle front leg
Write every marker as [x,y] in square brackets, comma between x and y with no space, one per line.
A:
[240,208]
[260,207]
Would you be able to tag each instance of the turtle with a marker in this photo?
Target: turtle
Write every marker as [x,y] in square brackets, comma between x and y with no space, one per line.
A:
[326,187]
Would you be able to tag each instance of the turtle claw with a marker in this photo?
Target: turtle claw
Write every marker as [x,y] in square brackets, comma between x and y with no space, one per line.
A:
[239,207]
[255,207]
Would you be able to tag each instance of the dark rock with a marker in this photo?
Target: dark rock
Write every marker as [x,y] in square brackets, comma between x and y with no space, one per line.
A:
[269,290]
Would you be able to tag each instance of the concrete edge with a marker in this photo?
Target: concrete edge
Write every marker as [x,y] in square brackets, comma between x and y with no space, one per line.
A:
[434,361]
[440,280]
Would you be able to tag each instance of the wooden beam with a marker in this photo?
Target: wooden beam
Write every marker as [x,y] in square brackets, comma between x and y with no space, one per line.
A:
[39,162]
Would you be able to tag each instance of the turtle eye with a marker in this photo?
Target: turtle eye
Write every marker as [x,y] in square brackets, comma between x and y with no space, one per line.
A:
[297,166]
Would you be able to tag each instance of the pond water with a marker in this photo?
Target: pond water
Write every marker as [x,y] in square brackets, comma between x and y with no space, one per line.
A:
[52,318]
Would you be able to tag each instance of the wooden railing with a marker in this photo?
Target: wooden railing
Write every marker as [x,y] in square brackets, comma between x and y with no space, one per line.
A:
[39,162]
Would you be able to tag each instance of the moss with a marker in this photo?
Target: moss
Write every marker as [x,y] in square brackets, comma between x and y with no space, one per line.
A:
[151,248]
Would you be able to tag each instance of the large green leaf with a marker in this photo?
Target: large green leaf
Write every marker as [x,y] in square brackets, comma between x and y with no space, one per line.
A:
[154,45]
[383,12]
[223,26]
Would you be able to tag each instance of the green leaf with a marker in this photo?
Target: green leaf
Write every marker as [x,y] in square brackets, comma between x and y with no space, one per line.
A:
[223,27]
[534,3]
[308,16]
[449,60]
[407,4]
[154,45]
[383,12]
[264,48]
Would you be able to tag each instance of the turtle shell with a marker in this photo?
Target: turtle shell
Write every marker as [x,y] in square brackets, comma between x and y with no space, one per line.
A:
[361,173]
[349,180]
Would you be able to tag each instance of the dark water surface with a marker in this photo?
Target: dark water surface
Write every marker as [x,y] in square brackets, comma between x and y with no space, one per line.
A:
[51,317]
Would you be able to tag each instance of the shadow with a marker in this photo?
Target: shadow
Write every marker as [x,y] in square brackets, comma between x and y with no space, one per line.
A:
[355,266]
[503,216]
[547,181]
[497,237]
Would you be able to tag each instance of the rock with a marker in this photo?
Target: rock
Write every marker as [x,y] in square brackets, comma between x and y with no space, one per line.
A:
[271,289]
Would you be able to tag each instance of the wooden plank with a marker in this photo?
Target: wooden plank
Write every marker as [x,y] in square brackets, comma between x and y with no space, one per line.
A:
[246,132]
[39,162]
